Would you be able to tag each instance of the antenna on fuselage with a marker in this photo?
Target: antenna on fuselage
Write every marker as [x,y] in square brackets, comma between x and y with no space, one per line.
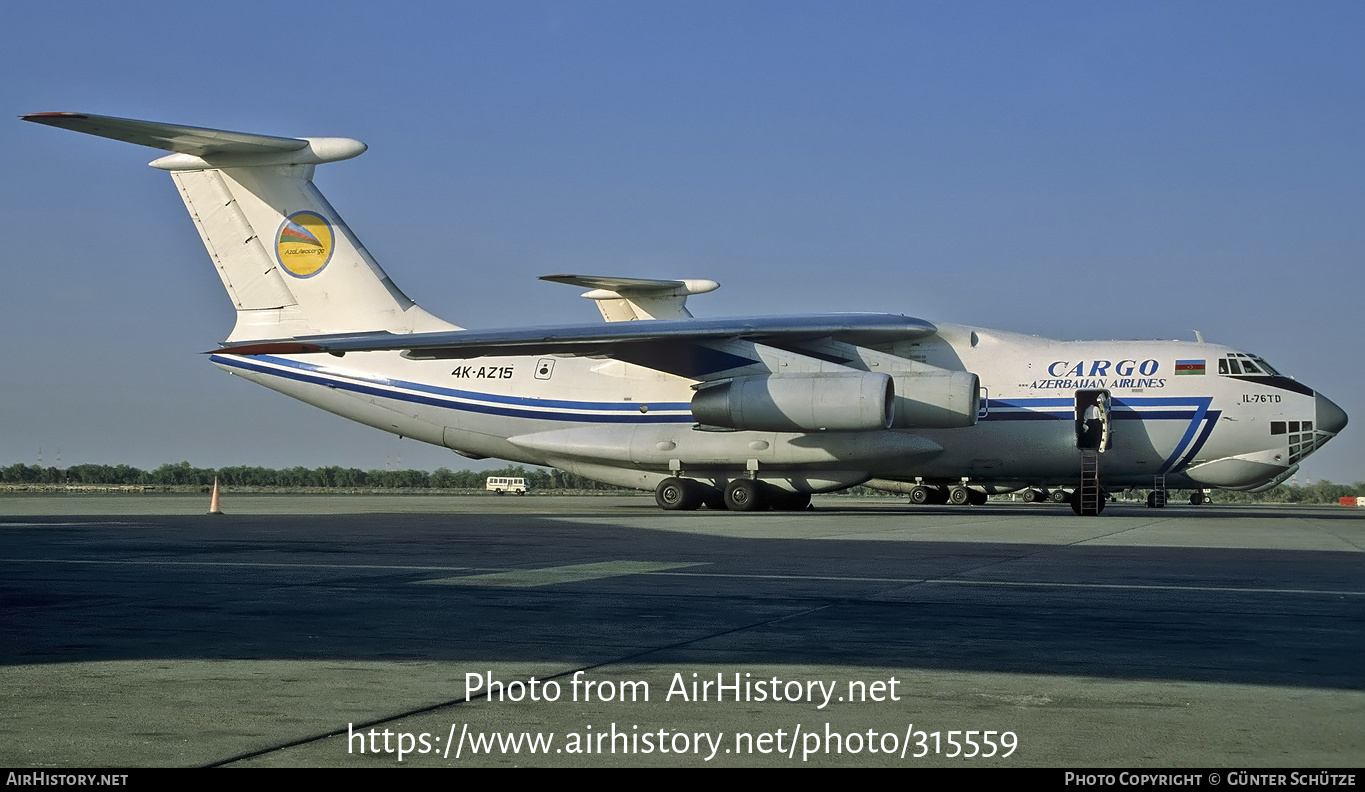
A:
[1198,336]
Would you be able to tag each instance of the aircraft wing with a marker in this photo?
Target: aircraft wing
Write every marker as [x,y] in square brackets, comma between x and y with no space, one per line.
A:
[675,345]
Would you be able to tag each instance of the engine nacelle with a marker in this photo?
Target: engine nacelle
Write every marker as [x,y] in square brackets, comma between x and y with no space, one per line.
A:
[940,399]
[845,401]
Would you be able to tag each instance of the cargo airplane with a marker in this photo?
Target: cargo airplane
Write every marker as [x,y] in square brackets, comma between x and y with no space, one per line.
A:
[745,413]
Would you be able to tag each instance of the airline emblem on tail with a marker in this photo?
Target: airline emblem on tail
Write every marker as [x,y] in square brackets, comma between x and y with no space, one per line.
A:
[304,244]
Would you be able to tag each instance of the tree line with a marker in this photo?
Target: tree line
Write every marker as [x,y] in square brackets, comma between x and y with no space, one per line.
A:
[183,474]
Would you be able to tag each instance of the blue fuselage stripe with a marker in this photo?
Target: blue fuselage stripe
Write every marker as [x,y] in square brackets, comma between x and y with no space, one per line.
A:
[459,394]
[1125,409]
[1019,409]
[1212,417]
[1117,415]
[439,398]
[1189,435]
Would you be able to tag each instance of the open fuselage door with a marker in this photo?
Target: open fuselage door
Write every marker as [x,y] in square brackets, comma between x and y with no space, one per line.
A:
[1093,437]
[1094,420]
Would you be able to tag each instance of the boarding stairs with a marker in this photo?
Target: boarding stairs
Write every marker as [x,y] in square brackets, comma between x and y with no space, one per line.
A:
[1158,499]
[1090,498]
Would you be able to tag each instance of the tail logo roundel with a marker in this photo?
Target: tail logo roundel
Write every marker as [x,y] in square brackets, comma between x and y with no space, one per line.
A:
[304,244]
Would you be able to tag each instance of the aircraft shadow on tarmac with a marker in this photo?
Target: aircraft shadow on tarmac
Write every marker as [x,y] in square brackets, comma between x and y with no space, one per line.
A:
[360,588]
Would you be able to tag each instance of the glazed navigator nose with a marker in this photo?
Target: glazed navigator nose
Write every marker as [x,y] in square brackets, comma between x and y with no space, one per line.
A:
[1330,417]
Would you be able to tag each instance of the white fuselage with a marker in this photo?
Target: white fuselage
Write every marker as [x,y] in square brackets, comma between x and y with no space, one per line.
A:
[632,426]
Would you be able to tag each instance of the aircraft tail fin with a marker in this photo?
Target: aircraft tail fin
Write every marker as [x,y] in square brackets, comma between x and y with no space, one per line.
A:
[289,263]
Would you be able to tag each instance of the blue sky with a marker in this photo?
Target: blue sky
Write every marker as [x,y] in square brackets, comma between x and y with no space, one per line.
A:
[1075,170]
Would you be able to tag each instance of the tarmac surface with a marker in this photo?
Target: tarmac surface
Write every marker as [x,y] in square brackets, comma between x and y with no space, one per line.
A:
[297,630]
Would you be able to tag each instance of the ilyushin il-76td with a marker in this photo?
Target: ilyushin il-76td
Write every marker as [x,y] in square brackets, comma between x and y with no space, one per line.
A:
[743,413]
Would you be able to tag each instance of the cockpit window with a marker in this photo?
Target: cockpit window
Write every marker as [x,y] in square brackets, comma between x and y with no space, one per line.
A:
[1238,363]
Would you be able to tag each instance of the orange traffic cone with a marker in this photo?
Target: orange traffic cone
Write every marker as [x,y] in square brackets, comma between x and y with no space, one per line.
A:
[214,506]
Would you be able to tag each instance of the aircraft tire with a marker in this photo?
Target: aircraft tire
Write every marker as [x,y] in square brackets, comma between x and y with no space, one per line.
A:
[938,495]
[1198,499]
[713,497]
[1156,499]
[677,494]
[1030,496]
[1060,495]
[790,501]
[1076,504]
[745,495]
[976,498]
[921,495]
[959,496]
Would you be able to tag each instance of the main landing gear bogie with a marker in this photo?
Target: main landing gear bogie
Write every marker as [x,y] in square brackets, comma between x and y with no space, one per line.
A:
[679,494]
[741,495]
[1157,499]
[925,494]
[744,495]
[790,501]
[958,495]
[754,495]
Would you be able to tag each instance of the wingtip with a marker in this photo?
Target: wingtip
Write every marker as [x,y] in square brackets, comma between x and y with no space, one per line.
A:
[41,117]
[268,348]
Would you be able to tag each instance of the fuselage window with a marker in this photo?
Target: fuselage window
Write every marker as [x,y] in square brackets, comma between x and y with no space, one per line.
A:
[1277,427]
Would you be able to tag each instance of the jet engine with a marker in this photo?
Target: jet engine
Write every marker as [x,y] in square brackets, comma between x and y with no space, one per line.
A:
[939,399]
[842,401]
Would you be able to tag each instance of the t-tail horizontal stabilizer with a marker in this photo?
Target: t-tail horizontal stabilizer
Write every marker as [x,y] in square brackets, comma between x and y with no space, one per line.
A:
[627,299]
[206,148]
